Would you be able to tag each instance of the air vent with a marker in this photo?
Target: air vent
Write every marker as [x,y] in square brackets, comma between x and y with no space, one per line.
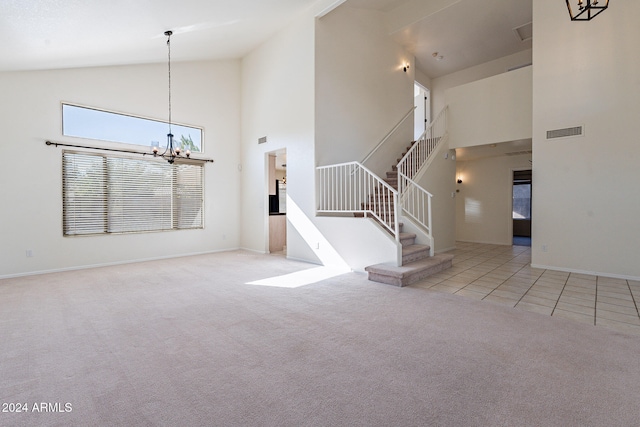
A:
[262,140]
[518,153]
[565,133]
[524,32]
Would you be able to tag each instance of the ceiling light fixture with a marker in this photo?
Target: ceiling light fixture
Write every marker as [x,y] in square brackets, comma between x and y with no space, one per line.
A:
[586,9]
[171,152]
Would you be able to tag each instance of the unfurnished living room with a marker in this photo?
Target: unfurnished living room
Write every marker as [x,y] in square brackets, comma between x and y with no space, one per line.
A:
[320,212]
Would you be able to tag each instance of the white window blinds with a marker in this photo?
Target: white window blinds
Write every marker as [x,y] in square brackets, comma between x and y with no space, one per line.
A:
[104,194]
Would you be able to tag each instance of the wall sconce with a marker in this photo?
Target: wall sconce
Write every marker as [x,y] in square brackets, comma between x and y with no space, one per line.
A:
[459,181]
[406,67]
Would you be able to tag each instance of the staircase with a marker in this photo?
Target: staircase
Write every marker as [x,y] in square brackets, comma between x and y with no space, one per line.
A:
[353,189]
[417,262]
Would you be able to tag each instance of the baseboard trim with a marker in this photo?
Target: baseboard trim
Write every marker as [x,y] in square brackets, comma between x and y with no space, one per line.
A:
[588,272]
[485,243]
[286,256]
[111,264]
[255,251]
[440,251]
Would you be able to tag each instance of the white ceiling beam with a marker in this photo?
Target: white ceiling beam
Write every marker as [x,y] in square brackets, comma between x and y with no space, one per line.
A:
[414,11]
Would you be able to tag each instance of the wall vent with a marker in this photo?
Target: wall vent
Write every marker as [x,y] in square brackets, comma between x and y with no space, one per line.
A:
[518,153]
[262,140]
[565,133]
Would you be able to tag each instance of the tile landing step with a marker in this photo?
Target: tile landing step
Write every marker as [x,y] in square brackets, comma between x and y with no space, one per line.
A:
[409,273]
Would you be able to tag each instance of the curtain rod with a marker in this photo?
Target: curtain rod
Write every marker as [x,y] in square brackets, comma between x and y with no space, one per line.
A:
[56,144]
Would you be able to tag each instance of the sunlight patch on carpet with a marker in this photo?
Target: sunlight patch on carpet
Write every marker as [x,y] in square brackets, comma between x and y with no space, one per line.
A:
[301,278]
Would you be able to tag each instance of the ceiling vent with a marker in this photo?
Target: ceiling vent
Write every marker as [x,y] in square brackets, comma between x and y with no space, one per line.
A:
[565,133]
[262,140]
[524,32]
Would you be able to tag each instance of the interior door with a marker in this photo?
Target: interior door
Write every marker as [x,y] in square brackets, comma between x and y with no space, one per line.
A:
[422,112]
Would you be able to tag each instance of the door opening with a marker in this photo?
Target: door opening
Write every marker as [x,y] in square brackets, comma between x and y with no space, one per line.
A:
[521,211]
[422,113]
[277,202]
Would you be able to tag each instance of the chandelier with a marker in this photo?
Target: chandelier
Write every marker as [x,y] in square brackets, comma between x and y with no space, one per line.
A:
[171,152]
[586,10]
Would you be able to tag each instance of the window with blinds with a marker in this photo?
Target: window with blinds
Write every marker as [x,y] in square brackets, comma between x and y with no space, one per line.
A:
[104,194]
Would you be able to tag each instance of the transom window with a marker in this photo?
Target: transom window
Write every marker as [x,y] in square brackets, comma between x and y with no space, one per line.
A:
[107,194]
[93,123]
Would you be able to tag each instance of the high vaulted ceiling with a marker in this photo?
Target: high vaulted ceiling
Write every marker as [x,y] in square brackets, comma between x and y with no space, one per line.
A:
[450,35]
[43,34]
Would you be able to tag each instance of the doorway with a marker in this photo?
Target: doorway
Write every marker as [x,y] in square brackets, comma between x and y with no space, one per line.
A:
[277,202]
[422,113]
[521,210]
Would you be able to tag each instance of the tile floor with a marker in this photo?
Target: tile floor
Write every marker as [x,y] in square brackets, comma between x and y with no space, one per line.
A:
[503,274]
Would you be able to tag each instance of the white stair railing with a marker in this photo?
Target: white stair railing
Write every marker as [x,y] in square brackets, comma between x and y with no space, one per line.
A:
[416,204]
[388,135]
[351,188]
[415,201]
[420,152]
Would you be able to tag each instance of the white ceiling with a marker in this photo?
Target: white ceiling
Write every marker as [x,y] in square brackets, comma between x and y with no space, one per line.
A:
[43,34]
[465,33]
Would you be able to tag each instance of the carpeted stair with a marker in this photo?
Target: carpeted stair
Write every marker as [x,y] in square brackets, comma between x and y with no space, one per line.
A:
[417,264]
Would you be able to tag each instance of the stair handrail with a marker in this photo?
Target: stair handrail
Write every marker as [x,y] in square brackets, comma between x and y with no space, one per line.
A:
[347,188]
[415,201]
[413,161]
[388,135]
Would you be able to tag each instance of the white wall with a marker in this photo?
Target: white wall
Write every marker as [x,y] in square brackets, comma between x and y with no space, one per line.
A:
[204,94]
[281,101]
[492,110]
[439,180]
[422,78]
[586,199]
[362,91]
[501,65]
[277,102]
[484,200]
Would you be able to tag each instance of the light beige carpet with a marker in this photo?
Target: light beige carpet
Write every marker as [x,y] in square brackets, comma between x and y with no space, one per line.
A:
[188,342]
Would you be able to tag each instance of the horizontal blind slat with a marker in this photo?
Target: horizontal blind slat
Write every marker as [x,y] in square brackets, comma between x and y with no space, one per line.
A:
[103,194]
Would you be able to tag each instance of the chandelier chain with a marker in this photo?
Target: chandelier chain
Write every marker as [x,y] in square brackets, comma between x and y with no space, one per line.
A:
[168,33]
